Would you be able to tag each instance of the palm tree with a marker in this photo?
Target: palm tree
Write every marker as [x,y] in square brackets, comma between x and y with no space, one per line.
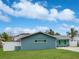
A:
[72,33]
[51,32]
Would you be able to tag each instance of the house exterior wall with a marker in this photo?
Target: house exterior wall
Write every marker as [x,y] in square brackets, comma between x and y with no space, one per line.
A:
[30,44]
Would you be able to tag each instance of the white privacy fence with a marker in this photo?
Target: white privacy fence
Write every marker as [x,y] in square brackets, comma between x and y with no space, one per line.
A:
[10,46]
[74,41]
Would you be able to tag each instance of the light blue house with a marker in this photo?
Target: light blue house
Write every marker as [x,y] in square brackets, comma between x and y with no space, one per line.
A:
[41,41]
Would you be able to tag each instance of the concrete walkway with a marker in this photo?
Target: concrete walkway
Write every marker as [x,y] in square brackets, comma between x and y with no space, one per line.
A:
[76,49]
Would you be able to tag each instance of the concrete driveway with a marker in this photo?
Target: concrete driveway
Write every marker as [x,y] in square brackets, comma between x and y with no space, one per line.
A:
[76,49]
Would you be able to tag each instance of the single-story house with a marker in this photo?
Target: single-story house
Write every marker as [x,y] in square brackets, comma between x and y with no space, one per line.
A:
[37,41]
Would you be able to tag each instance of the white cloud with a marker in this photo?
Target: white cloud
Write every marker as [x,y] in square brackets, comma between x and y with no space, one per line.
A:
[5,8]
[36,11]
[66,14]
[64,28]
[19,30]
[27,9]
[67,27]
[4,17]
[43,3]
[54,13]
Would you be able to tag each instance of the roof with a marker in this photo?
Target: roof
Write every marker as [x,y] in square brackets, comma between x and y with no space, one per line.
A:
[21,37]
[58,37]
[22,34]
[37,33]
[17,37]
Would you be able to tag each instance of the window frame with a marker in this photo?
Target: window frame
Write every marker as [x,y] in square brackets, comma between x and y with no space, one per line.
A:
[40,41]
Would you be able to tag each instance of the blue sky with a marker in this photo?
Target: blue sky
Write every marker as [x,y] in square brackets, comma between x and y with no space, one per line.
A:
[38,15]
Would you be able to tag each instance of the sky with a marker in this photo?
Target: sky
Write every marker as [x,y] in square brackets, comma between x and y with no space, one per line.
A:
[29,16]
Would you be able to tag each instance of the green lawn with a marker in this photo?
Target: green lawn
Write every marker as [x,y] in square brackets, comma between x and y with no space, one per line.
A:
[39,54]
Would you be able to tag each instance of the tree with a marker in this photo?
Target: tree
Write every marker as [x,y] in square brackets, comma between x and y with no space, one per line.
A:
[0,41]
[51,32]
[5,37]
[57,33]
[72,33]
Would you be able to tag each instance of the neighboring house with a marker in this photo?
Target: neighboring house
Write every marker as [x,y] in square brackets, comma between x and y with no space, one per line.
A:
[37,41]
[17,37]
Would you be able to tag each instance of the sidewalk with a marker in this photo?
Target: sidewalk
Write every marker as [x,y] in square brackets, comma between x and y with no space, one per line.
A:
[76,49]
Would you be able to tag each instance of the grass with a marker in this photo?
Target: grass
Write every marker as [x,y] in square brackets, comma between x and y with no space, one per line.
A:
[39,54]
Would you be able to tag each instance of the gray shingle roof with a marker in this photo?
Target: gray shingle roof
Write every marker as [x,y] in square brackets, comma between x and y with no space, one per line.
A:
[17,37]
[61,37]
[58,37]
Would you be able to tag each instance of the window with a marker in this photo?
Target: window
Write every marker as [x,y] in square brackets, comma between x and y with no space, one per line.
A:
[64,41]
[44,40]
[35,40]
[40,41]
[59,42]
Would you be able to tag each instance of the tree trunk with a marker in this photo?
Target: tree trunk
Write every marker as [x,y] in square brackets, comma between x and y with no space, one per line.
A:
[0,44]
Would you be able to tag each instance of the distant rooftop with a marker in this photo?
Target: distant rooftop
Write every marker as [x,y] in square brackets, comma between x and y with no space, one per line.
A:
[21,35]
[61,37]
